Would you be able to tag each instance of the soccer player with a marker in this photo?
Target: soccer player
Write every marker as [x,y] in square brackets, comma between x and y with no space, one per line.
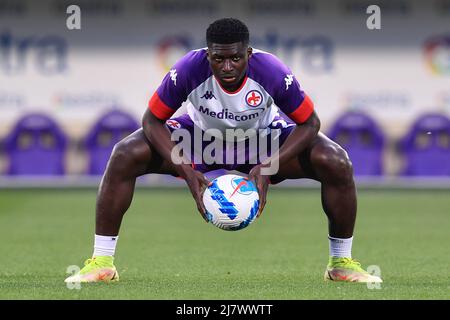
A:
[229,85]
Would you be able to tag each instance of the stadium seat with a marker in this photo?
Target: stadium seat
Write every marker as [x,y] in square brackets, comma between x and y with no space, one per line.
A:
[426,147]
[363,139]
[106,132]
[36,146]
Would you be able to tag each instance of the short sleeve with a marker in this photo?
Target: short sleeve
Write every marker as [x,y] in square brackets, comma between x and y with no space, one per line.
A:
[178,83]
[279,81]
[292,100]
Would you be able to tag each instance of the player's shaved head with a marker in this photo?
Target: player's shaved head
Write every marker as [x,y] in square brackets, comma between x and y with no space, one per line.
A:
[226,31]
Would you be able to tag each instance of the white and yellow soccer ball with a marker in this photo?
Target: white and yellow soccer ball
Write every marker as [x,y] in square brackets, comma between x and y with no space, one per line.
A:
[231,202]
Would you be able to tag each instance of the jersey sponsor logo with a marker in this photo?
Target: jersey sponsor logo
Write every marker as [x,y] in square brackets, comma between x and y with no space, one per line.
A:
[226,114]
[208,95]
[289,79]
[173,124]
[254,98]
[173,76]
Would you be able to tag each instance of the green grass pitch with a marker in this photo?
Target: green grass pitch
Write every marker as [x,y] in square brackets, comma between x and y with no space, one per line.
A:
[166,250]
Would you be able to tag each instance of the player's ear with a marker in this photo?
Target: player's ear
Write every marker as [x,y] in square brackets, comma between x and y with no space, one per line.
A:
[207,53]
[249,52]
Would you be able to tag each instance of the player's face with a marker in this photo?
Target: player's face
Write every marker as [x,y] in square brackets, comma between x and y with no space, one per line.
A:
[229,63]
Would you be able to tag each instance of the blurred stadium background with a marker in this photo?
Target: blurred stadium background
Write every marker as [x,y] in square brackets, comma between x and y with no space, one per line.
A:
[383,94]
[389,79]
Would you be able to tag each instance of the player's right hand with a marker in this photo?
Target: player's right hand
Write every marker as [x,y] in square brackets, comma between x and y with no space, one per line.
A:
[197,183]
[262,184]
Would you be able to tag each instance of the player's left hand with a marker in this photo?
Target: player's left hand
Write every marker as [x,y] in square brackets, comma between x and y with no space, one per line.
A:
[262,184]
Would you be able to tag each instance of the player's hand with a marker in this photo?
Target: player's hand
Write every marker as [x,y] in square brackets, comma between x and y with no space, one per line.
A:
[197,183]
[262,184]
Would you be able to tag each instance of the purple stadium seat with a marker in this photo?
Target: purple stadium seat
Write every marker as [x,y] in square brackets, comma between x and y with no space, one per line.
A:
[362,138]
[36,146]
[106,132]
[426,147]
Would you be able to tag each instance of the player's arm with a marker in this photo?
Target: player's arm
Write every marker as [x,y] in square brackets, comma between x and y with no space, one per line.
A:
[293,101]
[297,105]
[302,135]
[159,136]
[172,92]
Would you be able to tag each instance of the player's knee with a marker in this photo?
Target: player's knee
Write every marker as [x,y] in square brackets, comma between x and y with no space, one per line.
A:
[125,154]
[332,162]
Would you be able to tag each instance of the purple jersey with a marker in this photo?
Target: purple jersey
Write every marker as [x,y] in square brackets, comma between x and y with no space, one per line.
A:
[267,86]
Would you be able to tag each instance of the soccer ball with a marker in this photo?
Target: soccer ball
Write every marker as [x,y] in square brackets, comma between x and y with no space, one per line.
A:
[231,202]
